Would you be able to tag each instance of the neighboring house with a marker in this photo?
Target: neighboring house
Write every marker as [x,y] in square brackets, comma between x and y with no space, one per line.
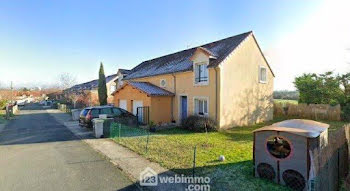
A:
[122,73]
[90,89]
[57,95]
[228,80]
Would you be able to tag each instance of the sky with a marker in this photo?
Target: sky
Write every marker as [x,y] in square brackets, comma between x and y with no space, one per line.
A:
[39,40]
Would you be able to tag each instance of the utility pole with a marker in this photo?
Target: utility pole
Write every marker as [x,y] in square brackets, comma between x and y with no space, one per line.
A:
[11,92]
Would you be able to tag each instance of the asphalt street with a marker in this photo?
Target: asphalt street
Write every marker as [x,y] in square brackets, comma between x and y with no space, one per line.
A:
[38,153]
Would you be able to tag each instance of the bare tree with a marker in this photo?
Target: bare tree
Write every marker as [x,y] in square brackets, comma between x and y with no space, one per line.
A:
[73,97]
[66,80]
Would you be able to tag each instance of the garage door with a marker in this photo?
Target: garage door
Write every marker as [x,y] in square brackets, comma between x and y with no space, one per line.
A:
[123,104]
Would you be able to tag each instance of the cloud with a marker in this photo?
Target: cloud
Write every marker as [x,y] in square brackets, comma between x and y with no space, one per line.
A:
[318,45]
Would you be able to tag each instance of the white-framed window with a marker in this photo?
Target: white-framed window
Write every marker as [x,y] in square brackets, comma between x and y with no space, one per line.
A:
[113,88]
[201,106]
[201,73]
[120,80]
[262,74]
[163,83]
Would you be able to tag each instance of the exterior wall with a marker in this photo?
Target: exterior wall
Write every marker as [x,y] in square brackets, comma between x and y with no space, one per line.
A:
[130,94]
[160,110]
[119,82]
[156,81]
[243,100]
[93,97]
[110,97]
[182,84]
[160,107]
[185,87]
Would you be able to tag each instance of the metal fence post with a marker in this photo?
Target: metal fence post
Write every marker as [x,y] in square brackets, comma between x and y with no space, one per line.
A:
[119,130]
[7,112]
[194,159]
[147,142]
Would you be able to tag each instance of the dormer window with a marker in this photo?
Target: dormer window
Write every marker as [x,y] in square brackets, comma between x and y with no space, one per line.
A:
[120,80]
[113,88]
[201,73]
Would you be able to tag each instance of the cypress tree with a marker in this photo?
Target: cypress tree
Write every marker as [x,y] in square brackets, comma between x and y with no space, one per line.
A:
[102,88]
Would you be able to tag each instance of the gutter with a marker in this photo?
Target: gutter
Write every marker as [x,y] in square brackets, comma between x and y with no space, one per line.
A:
[173,99]
[216,94]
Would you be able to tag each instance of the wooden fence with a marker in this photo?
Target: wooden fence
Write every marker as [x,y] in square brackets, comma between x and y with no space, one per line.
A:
[311,111]
[331,163]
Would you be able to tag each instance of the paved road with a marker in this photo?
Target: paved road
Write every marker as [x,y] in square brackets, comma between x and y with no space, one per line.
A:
[37,153]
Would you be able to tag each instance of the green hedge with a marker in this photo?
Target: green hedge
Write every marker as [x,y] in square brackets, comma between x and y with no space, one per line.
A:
[3,104]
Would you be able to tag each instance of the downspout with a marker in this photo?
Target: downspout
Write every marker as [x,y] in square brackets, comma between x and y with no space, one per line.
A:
[216,94]
[173,99]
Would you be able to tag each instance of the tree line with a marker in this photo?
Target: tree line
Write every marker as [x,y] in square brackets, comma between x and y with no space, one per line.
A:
[326,88]
[286,94]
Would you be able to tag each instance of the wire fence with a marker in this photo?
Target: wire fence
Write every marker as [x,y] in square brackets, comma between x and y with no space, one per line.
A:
[153,145]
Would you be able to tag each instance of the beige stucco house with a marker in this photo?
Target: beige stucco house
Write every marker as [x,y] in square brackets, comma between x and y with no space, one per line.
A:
[121,74]
[90,90]
[228,80]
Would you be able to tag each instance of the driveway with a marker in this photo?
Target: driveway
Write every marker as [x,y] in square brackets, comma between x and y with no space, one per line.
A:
[38,153]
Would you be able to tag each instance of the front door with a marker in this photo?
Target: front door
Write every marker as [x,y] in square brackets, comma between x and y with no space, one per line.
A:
[183,107]
[137,104]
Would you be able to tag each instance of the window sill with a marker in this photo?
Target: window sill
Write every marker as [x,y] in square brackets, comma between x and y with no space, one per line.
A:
[263,82]
[204,115]
[201,83]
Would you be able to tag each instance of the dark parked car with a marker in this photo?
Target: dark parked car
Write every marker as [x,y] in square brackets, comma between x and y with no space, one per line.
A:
[90,113]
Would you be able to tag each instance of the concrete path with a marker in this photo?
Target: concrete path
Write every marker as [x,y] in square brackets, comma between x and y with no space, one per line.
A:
[38,153]
[127,160]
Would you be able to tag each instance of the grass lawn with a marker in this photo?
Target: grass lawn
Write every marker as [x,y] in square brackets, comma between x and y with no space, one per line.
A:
[173,149]
[284,101]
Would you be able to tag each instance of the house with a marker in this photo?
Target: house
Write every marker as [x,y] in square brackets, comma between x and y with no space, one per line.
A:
[122,73]
[90,90]
[228,80]
[56,95]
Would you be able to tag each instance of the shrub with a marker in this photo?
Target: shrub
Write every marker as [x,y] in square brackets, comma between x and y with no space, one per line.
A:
[333,102]
[129,120]
[346,112]
[199,124]
[3,104]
